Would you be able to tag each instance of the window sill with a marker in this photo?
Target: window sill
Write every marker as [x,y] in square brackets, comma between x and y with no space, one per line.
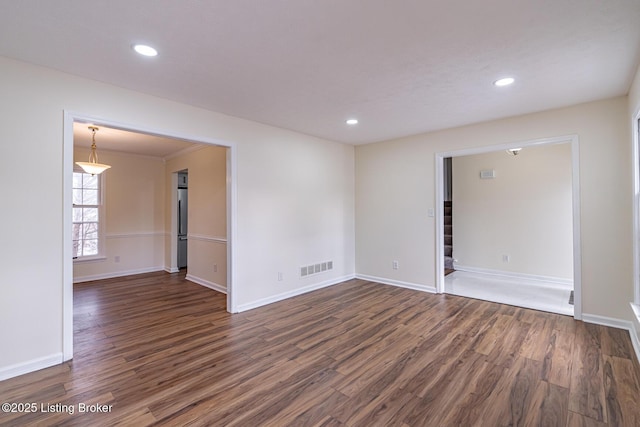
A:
[89,259]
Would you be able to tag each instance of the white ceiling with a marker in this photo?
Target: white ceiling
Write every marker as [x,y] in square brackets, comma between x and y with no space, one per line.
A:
[109,139]
[401,67]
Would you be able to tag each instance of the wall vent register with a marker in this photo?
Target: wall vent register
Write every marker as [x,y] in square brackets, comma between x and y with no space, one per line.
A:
[312,269]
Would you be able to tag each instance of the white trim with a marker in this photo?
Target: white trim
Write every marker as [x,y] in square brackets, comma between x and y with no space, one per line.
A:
[135,235]
[397,283]
[206,283]
[171,269]
[89,259]
[606,321]
[232,229]
[575,177]
[634,329]
[69,117]
[30,366]
[439,223]
[635,156]
[113,274]
[633,332]
[293,293]
[554,282]
[204,238]
[67,244]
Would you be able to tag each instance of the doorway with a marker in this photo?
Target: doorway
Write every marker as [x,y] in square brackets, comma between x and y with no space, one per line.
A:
[68,147]
[182,218]
[573,242]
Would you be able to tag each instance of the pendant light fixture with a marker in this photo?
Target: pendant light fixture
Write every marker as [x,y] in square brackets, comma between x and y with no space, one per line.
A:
[92,166]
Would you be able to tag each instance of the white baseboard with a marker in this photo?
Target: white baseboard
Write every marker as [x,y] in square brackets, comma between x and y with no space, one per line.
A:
[30,366]
[206,283]
[607,321]
[293,293]
[398,283]
[171,269]
[618,324]
[634,339]
[548,280]
[113,274]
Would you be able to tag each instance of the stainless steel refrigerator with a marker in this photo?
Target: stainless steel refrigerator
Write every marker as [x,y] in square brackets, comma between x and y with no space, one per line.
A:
[182,227]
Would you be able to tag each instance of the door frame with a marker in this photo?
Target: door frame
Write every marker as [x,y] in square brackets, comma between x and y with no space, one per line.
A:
[69,117]
[635,135]
[575,179]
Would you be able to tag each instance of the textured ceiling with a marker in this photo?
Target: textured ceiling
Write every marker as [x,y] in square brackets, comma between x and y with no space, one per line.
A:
[400,67]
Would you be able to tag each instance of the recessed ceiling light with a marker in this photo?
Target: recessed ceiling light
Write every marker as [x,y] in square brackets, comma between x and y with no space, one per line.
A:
[352,122]
[145,50]
[504,82]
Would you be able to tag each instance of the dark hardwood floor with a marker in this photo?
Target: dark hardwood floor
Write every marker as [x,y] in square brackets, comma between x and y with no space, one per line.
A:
[161,350]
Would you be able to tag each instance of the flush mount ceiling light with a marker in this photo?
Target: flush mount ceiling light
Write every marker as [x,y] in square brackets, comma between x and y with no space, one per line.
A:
[92,166]
[145,50]
[352,122]
[504,81]
[514,151]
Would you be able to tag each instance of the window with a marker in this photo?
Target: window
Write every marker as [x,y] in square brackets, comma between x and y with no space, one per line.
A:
[87,207]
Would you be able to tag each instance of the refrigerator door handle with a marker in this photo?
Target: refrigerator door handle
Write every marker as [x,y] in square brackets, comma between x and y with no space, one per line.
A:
[180,217]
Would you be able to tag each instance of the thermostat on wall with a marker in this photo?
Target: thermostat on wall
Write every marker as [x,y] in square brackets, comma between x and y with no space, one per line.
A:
[488,174]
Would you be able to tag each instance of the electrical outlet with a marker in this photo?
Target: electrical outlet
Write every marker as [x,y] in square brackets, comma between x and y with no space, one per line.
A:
[395,265]
[116,258]
[280,276]
[506,258]
[215,268]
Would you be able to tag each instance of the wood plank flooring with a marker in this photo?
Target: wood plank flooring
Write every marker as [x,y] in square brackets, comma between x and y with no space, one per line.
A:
[163,351]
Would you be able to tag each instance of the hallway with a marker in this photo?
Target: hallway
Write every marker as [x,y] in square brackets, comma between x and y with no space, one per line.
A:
[534,294]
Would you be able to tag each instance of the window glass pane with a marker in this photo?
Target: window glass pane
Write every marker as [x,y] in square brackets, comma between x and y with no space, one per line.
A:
[90,230]
[89,247]
[90,214]
[77,180]
[75,229]
[76,251]
[77,214]
[89,197]
[90,181]
[77,196]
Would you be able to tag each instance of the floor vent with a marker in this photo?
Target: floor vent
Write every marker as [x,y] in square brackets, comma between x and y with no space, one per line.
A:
[321,267]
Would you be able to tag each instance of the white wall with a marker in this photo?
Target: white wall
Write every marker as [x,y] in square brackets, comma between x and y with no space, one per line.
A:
[395,186]
[295,198]
[207,214]
[133,216]
[525,212]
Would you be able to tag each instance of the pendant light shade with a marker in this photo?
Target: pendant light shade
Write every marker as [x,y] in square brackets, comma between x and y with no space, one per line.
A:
[92,166]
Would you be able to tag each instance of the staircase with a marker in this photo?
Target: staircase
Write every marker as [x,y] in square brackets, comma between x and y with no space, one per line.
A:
[448,236]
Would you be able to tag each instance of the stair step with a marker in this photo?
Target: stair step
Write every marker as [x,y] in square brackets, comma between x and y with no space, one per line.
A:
[448,262]
[448,250]
[448,240]
[448,230]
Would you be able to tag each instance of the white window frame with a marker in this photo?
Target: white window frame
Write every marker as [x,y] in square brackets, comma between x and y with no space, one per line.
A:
[101,220]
